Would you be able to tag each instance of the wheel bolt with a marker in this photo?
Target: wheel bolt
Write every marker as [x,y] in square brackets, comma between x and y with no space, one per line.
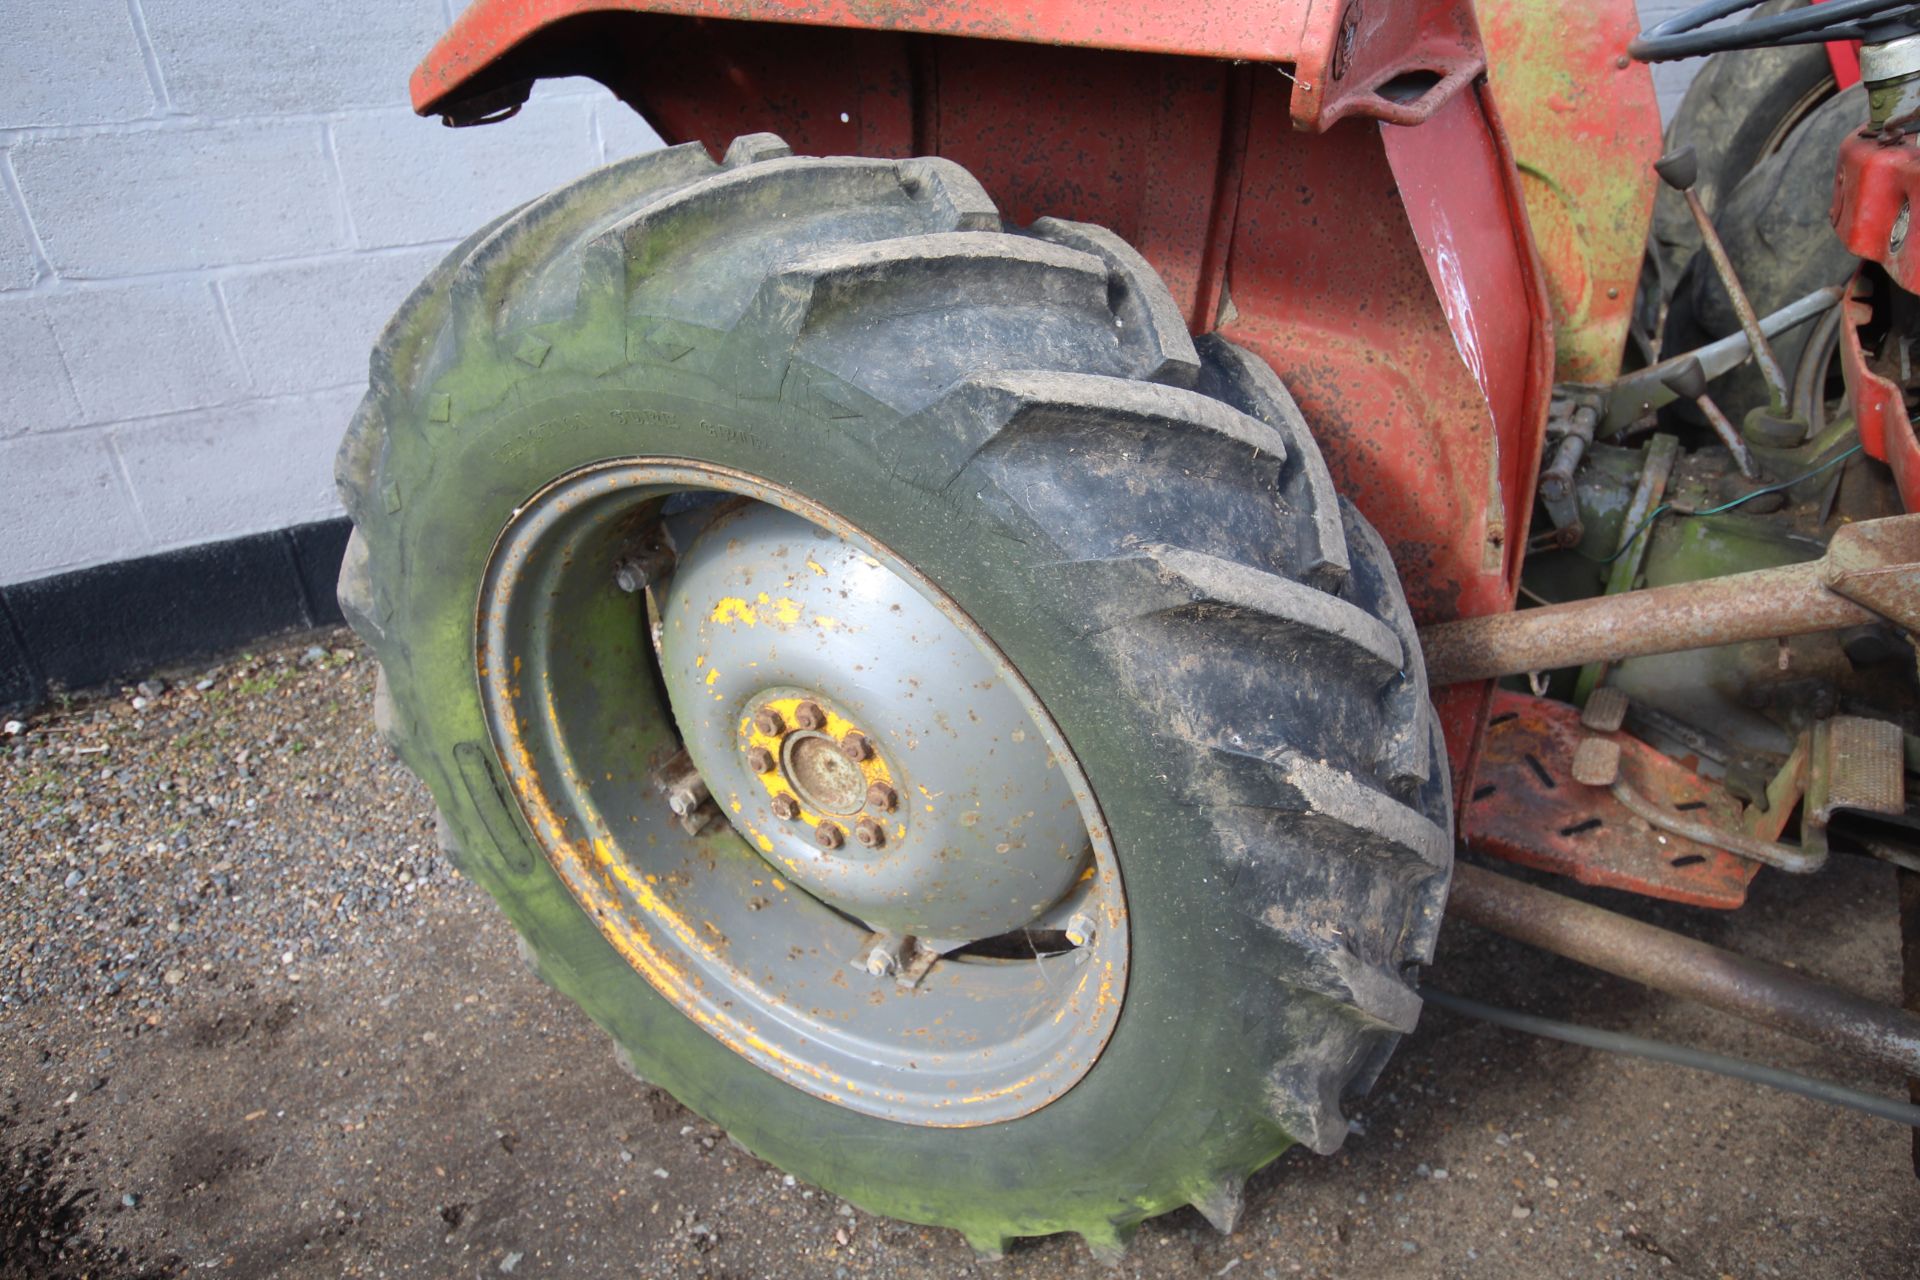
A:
[760,760]
[1080,930]
[856,747]
[643,568]
[785,807]
[879,963]
[808,715]
[869,833]
[768,721]
[686,797]
[828,835]
[882,797]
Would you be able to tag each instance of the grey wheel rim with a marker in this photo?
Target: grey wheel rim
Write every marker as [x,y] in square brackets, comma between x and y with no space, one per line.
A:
[873,867]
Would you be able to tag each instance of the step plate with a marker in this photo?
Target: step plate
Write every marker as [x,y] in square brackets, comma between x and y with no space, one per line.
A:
[1525,807]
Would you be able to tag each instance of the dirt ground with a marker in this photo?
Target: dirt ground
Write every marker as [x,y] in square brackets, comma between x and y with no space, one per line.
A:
[251,1024]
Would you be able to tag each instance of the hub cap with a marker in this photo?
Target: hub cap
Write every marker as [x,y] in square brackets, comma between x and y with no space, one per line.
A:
[768,613]
[899,896]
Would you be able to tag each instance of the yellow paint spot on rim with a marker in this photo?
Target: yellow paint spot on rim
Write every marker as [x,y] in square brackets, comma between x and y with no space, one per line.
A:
[733,609]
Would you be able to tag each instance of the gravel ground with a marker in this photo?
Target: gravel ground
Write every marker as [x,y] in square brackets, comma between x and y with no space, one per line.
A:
[252,1024]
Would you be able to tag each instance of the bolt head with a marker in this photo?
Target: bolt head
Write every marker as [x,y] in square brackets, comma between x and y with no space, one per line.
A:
[882,797]
[828,835]
[878,962]
[768,721]
[640,569]
[760,760]
[786,807]
[1081,930]
[808,715]
[856,747]
[870,833]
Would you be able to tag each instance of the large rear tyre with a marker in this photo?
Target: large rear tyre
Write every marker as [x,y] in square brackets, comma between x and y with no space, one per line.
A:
[731,383]
[1774,225]
[1739,109]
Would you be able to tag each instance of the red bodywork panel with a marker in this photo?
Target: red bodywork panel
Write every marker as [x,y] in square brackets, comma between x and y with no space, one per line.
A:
[1341,54]
[1386,272]
[1874,191]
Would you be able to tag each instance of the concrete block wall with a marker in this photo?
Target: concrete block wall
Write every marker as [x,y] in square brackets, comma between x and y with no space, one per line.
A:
[207,210]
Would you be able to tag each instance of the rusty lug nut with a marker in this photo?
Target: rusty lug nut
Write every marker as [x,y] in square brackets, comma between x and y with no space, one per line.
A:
[768,721]
[808,715]
[828,835]
[856,747]
[882,797]
[1080,930]
[786,807]
[869,833]
[760,760]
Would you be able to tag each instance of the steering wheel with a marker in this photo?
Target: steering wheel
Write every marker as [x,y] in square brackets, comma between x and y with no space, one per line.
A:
[1683,36]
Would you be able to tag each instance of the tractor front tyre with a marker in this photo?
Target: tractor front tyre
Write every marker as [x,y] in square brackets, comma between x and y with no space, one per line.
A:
[932,713]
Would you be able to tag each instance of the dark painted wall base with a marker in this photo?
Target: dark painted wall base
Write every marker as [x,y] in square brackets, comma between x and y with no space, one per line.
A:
[121,621]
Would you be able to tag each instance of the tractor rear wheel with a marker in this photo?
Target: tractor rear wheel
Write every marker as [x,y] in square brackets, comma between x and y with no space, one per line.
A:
[1773,222]
[934,714]
[1739,109]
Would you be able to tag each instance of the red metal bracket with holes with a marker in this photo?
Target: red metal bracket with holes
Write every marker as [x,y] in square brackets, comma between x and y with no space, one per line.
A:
[1526,808]
[1886,430]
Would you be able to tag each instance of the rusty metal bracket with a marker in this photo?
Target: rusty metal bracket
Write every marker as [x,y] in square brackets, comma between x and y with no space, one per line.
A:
[1871,572]
[1876,563]
[1571,421]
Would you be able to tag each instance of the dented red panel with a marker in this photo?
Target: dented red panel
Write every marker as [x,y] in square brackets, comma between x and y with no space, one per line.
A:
[1875,188]
[1343,55]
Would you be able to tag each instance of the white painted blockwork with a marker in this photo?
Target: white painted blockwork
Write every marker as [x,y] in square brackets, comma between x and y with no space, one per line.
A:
[207,210]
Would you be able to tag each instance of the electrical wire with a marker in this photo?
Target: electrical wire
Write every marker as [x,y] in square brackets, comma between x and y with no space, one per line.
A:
[1819,1090]
[1665,507]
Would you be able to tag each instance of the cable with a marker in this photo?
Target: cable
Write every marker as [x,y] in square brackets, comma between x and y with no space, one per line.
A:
[1665,507]
[1682,36]
[1680,1055]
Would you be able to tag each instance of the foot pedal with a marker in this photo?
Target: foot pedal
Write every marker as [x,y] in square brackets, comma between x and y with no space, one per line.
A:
[1858,765]
[1606,710]
[1865,765]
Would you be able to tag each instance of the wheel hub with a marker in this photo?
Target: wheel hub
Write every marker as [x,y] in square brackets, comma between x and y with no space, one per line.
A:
[823,777]
[908,785]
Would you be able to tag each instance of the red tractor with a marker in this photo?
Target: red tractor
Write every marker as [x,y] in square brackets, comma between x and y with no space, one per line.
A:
[959,608]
